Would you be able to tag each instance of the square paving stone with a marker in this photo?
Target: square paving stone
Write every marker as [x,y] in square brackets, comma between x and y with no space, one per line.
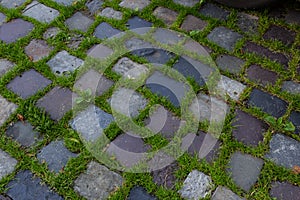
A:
[79,22]
[17,28]
[166,176]
[5,66]
[230,87]
[268,103]
[94,5]
[40,12]
[24,133]
[284,151]
[51,32]
[57,102]
[135,4]
[222,193]
[136,22]
[6,109]
[154,56]
[99,51]
[27,186]
[7,164]
[187,3]
[248,129]
[37,50]
[284,190]
[224,37]
[91,122]
[262,76]
[63,63]
[229,63]
[245,169]
[29,83]
[194,47]
[167,36]
[274,32]
[166,15]
[211,10]
[105,30]
[129,69]
[97,182]
[295,119]
[140,193]
[65,2]
[291,86]
[193,23]
[247,23]
[11,3]
[197,185]
[293,17]
[56,155]
[111,13]
[2,18]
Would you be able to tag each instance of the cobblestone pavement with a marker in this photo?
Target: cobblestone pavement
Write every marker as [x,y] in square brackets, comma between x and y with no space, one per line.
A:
[44,44]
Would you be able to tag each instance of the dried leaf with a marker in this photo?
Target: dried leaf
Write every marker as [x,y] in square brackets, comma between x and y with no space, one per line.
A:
[20,117]
[296,169]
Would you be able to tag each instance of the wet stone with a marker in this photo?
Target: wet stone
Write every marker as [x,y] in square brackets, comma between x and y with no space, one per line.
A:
[91,122]
[94,5]
[154,56]
[51,33]
[193,23]
[136,22]
[211,10]
[224,37]
[111,13]
[293,17]
[79,22]
[245,169]
[56,155]
[6,109]
[229,63]
[15,29]
[262,76]
[5,66]
[284,151]
[197,185]
[105,30]
[187,3]
[166,15]
[222,193]
[99,51]
[11,3]
[165,36]
[57,102]
[248,129]
[268,103]
[27,186]
[140,193]
[295,119]
[166,176]
[65,2]
[247,23]
[63,63]
[97,176]
[230,87]
[7,164]
[286,36]
[291,86]
[284,190]
[135,4]
[129,69]
[38,49]
[40,12]
[23,133]
[2,18]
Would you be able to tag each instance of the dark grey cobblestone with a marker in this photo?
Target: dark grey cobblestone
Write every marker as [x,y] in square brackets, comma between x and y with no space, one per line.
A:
[286,36]
[284,190]
[79,22]
[166,15]
[291,86]
[214,11]
[138,193]
[222,193]
[295,119]
[229,63]
[105,30]
[5,66]
[262,76]
[193,23]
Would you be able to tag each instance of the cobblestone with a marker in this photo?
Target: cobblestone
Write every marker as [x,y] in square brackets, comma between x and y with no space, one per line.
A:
[7,164]
[79,22]
[284,190]
[104,30]
[291,86]
[211,10]
[37,50]
[295,119]
[262,76]
[5,66]
[192,23]
[229,63]
[111,13]
[166,15]
[187,3]
[6,109]
[287,37]
[138,192]
[12,3]
[223,193]
[135,4]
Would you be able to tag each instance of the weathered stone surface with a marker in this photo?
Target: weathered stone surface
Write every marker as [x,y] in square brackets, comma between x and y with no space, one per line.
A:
[56,155]
[229,63]
[135,4]
[222,193]
[37,50]
[211,10]
[79,22]
[295,119]
[224,37]
[40,12]
[5,66]
[230,87]
[187,3]
[51,33]
[65,2]
[166,15]
[5,197]
[293,17]
[165,176]
[99,51]
[291,86]
[244,169]
[193,23]
[11,3]
[24,133]
[6,109]
[2,18]
[165,36]
[94,6]
[139,193]
[129,69]
[136,22]
[260,75]
[247,23]
[154,56]
[27,186]
[136,44]
[10,32]
[104,30]
[111,13]
[195,47]
[286,36]
[196,185]
[268,103]
[284,151]
[284,190]
[63,63]
[97,182]
[7,164]
[74,41]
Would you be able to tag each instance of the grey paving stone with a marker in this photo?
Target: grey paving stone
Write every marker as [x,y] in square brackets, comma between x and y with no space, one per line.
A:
[56,155]
[295,119]
[99,51]
[65,2]
[91,122]
[63,63]
[51,33]
[222,193]
[229,63]
[260,75]
[248,129]
[284,190]
[166,176]
[268,103]
[293,17]
[136,22]
[40,12]
[57,102]
[166,15]
[136,44]
[27,186]
[129,69]
[211,10]
[196,185]
[111,13]
[247,23]
[135,4]
[224,37]
[2,18]
[167,36]
[74,41]
[37,50]
[10,32]
[284,151]
[140,193]
[79,22]
[195,47]
[154,56]
[187,3]
[274,32]
[127,102]
[193,23]
[5,66]
[94,5]
[6,109]
[291,86]
[4,197]
[245,169]
[230,87]
[11,3]
[97,176]
[105,30]
[24,133]
[7,164]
